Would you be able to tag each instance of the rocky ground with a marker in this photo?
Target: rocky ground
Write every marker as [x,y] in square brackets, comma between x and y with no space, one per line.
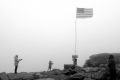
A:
[78,73]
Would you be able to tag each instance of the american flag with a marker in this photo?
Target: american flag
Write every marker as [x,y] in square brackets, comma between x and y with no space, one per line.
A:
[84,13]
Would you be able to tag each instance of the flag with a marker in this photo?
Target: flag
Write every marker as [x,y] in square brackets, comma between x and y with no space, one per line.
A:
[84,13]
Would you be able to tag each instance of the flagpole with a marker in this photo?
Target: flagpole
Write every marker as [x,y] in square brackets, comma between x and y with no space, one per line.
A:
[75,35]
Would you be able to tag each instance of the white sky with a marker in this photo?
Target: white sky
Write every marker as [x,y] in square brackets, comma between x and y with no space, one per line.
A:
[43,30]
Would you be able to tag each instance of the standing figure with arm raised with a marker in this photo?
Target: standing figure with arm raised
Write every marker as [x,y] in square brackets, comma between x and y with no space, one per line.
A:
[50,65]
[16,62]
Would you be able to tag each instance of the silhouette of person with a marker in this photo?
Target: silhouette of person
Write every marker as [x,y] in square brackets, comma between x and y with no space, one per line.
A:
[75,62]
[50,65]
[16,62]
[112,67]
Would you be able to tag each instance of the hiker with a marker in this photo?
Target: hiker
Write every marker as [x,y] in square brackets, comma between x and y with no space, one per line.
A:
[50,65]
[75,62]
[16,63]
[112,67]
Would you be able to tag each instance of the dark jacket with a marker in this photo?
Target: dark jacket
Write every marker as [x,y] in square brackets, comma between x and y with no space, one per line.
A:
[112,64]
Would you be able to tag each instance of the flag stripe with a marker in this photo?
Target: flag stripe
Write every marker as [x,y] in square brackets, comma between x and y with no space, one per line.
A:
[84,12]
[84,16]
[88,11]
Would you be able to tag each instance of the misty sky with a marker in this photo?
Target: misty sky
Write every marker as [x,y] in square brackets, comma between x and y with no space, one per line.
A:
[43,30]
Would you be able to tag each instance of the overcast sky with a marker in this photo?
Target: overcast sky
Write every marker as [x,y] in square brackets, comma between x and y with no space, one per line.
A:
[43,30]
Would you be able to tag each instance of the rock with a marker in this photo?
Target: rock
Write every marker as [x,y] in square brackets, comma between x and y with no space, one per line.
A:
[87,63]
[101,76]
[28,76]
[43,73]
[23,73]
[38,75]
[86,69]
[118,65]
[96,69]
[67,73]
[13,76]
[70,73]
[57,71]
[91,69]
[78,76]
[45,79]
[78,69]
[67,66]
[21,76]
[4,76]
[100,60]
[102,65]
[32,73]
[88,75]
[88,79]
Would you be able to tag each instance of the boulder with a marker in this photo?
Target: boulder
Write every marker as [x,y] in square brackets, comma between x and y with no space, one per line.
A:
[39,75]
[96,69]
[101,76]
[86,69]
[88,75]
[4,76]
[57,71]
[67,66]
[70,72]
[13,76]
[21,76]
[78,76]
[118,65]
[88,79]
[45,79]
[28,77]
[78,69]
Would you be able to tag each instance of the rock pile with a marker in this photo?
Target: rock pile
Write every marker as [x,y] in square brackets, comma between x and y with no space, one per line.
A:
[88,73]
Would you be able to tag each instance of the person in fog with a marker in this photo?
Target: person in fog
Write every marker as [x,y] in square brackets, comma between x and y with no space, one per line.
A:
[112,67]
[50,65]
[16,62]
[75,62]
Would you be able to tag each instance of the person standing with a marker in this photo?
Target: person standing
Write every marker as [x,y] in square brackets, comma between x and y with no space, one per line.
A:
[75,62]
[16,62]
[112,67]
[50,65]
